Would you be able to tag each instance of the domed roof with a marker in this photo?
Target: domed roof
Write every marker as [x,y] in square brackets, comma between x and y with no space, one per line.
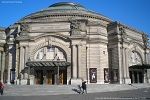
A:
[66,5]
[2,28]
[65,8]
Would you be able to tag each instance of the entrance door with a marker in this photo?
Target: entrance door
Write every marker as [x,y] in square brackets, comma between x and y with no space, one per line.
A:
[137,76]
[50,77]
[62,77]
[39,77]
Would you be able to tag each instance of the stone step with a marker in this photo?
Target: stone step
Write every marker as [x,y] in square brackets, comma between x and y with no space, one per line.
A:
[28,90]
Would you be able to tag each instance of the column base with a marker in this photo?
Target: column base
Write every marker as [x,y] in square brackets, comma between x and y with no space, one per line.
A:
[8,83]
[76,81]
[28,81]
[127,81]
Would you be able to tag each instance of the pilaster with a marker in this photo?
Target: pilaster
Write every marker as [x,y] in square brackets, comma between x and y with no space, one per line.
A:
[3,66]
[9,64]
[120,51]
[79,60]
[17,64]
[74,60]
[21,58]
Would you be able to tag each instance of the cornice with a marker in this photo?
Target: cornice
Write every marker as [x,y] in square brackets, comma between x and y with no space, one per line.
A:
[65,14]
[130,28]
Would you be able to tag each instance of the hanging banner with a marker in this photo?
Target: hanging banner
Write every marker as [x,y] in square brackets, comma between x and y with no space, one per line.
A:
[93,75]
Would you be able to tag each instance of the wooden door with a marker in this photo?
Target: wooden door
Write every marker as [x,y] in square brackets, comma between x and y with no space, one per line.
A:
[49,77]
[39,77]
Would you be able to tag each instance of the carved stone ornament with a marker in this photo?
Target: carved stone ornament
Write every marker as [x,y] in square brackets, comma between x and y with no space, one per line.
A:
[24,27]
[75,27]
[145,39]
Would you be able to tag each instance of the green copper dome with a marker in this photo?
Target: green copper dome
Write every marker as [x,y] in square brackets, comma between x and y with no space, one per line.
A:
[66,5]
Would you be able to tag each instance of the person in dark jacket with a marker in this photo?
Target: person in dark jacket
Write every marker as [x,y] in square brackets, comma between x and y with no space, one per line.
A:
[1,88]
[84,88]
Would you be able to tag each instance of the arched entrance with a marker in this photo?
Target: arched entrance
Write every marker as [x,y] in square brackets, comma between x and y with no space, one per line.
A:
[136,73]
[50,66]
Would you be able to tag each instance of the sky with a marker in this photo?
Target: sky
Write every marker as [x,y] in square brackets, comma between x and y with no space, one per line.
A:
[134,13]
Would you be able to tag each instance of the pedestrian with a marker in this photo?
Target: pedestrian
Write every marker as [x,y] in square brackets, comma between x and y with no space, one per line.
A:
[1,88]
[84,88]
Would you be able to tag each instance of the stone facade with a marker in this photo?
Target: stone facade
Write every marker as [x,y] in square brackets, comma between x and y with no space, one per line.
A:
[3,69]
[99,50]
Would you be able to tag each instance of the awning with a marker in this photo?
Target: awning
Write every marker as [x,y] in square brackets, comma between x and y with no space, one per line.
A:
[144,66]
[48,63]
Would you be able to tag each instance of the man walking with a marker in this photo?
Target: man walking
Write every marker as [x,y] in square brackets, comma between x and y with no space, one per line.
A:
[84,87]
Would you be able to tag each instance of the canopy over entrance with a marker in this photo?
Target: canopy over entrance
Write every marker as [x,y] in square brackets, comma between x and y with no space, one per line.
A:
[144,66]
[48,72]
[47,63]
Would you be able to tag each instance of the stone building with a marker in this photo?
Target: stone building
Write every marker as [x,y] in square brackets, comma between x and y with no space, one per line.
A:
[66,43]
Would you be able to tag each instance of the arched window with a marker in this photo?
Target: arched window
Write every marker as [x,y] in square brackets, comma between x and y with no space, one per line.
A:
[135,58]
[50,53]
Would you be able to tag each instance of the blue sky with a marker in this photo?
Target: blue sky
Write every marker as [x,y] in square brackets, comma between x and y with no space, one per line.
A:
[135,13]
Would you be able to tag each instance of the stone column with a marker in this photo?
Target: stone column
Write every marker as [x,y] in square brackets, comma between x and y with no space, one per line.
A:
[9,68]
[26,58]
[44,76]
[21,59]
[127,64]
[74,60]
[17,64]
[21,63]
[126,68]
[78,61]
[120,51]
[3,66]
[123,64]
[138,80]
[145,76]
[133,77]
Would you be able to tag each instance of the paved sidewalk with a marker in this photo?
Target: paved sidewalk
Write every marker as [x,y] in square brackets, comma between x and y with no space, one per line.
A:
[31,90]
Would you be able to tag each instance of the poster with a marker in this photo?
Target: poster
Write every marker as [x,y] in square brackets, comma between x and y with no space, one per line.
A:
[106,75]
[93,75]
